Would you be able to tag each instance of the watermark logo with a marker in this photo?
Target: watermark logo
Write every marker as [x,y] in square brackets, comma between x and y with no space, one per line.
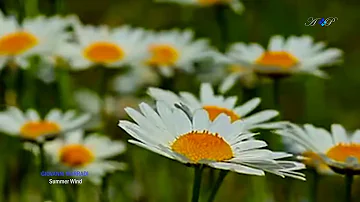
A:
[311,21]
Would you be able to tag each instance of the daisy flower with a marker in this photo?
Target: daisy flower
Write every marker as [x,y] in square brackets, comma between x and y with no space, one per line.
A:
[36,36]
[235,5]
[170,50]
[30,126]
[322,149]
[89,153]
[102,45]
[197,139]
[297,54]
[218,104]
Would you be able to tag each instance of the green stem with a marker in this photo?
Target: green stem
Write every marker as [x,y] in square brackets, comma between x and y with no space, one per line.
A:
[104,189]
[219,181]
[102,91]
[42,157]
[24,163]
[29,89]
[197,183]
[21,11]
[220,13]
[71,193]
[211,177]
[57,6]
[64,87]
[275,140]
[47,194]
[349,178]
[102,83]
[11,86]
[314,187]
[277,94]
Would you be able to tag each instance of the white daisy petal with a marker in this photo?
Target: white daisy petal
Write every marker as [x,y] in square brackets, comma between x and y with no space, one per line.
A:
[201,120]
[249,106]
[206,92]
[339,134]
[261,116]
[237,168]
[54,115]
[182,122]
[249,145]
[32,115]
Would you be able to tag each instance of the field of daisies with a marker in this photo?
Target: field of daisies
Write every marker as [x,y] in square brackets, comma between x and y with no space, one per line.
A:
[179,101]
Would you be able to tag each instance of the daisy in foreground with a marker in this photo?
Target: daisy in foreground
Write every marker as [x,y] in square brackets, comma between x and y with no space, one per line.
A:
[102,45]
[297,54]
[175,49]
[338,150]
[30,126]
[77,152]
[235,5]
[197,140]
[215,105]
[36,36]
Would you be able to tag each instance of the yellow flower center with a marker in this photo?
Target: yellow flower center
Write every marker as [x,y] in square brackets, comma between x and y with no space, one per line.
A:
[163,55]
[212,2]
[342,151]
[35,129]
[202,145]
[215,111]
[17,43]
[315,161]
[103,52]
[277,58]
[76,155]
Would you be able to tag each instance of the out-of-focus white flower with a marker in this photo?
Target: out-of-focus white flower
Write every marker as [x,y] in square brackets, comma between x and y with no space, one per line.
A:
[89,154]
[31,126]
[297,54]
[235,5]
[322,149]
[38,36]
[175,49]
[102,45]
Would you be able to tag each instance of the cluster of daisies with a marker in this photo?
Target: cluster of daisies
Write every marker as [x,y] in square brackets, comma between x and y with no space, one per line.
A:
[211,130]
[88,46]
[66,42]
[61,135]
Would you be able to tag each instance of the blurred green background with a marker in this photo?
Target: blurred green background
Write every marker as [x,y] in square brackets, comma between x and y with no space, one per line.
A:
[303,99]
